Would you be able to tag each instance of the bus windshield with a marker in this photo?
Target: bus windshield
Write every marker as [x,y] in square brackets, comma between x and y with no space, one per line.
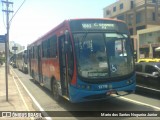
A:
[103,55]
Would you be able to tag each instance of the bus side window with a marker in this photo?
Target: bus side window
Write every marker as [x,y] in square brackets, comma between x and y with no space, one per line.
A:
[34,52]
[44,49]
[53,46]
[31,53]
[48,48]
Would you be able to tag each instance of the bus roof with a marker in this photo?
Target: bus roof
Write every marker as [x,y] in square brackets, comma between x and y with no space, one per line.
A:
[114,19]
[66,22]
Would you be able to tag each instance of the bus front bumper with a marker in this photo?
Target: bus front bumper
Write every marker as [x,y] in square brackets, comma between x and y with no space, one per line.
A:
[80,95]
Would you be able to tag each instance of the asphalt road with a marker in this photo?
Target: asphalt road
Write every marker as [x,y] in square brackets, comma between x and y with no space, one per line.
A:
[43,100]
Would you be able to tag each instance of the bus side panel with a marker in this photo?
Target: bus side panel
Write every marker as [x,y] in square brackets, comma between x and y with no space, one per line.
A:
[50,71]
[34,69]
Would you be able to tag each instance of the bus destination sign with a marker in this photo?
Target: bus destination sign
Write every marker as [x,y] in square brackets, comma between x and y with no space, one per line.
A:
[99,26]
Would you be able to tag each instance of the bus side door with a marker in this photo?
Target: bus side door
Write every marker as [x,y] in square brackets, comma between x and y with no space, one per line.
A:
[63,65]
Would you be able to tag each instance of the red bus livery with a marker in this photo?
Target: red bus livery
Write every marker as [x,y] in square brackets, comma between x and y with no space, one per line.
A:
[84,60]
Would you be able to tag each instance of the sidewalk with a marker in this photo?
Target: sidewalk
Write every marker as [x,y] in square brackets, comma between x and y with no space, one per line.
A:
[18,99]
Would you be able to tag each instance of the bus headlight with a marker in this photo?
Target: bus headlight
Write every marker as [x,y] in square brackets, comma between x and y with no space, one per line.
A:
[129,81]
[87,87]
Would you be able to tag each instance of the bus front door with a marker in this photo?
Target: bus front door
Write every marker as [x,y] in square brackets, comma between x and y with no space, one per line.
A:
[63,65]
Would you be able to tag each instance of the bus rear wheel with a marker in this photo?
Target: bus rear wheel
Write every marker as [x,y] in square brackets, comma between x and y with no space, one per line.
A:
[55,92]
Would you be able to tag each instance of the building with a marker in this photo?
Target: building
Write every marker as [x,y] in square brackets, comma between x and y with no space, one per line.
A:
[2,47]
[148,42]
[138,14]
[12,45]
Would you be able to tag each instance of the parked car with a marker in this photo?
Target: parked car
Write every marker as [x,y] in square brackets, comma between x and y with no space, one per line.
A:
[148,74]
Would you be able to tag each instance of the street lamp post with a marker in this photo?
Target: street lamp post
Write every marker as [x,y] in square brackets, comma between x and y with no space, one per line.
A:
[7,11]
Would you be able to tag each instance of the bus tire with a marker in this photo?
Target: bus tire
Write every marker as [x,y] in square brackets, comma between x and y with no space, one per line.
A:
[55,93]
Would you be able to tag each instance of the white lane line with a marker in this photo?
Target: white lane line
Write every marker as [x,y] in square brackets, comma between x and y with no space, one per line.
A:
[134,101]
[24,102]
[148,88]
[20,94]
[34,100]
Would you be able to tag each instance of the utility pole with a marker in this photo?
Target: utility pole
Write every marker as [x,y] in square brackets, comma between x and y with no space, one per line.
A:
[7,11]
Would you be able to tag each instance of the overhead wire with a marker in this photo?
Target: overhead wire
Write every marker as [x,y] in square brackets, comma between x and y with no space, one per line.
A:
[3,16]
[17,10]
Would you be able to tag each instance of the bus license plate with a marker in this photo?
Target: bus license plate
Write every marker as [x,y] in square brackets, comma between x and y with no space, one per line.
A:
[111,92]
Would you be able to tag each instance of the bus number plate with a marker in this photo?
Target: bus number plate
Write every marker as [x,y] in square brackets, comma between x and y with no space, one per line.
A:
[111,92]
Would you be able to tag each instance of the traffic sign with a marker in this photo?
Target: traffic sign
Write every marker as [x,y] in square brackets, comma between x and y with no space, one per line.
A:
[2,38]
[14,48]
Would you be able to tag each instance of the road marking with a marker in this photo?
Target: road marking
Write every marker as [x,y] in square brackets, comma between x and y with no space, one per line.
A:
[134,101]
[148,88]
[24,102]
[20,94]
[34,100]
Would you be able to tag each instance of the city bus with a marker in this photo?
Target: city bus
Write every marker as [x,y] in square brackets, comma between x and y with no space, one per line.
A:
[83,60]
[21,61]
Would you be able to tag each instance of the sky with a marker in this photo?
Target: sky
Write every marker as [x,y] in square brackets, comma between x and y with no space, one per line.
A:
[37,17]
